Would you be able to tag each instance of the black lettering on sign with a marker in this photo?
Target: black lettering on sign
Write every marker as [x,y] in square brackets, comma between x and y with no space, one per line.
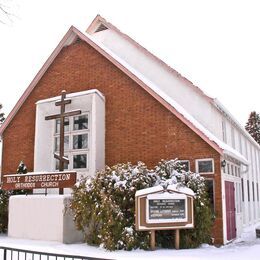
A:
[167,209]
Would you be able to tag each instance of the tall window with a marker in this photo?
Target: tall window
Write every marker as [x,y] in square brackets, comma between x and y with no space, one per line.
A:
[210,190]
[240,144]
[253,190]
[257,191]
[248,191]
[76,141]
[242,186]
[224,131]
[233,137]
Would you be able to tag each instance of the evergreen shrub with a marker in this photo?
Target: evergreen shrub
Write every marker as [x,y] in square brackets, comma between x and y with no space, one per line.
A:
[4,198]
[104,205]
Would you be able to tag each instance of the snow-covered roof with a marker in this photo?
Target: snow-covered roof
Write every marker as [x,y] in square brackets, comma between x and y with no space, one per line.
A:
[149,86]
[226,148]
[70,95]
[173,187]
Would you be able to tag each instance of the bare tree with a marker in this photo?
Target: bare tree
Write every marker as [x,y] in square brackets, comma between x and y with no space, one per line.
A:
[2,118]
[5,14]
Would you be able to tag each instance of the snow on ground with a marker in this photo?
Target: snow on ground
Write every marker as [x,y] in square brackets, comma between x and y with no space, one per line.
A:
[246,247]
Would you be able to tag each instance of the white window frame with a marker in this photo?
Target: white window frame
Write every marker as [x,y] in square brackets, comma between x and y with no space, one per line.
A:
[205,159]
[71,152]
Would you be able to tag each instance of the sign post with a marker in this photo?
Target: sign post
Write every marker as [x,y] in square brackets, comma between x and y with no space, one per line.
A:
[152,240]
[160,209]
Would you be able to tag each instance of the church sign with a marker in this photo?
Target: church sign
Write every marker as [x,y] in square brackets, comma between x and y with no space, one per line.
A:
[160,208]
[45,180]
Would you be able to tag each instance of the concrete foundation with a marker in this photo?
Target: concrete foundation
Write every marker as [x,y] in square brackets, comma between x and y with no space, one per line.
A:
[42,217]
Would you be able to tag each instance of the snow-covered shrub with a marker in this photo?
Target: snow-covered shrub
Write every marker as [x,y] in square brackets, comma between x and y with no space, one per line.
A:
[104,205]
[171,172]
[4,198]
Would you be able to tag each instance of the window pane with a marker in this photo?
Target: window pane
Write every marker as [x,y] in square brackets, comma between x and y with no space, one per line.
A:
[185,165]
[80,122]
[205,166]
[80,141]
[210,191]
[242,187]
[79,161]
[57,164]
[57,143]
[66,125]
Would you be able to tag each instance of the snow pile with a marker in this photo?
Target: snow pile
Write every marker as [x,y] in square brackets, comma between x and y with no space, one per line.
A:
[247,247]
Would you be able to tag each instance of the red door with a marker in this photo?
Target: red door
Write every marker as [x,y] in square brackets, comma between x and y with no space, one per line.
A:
[230,210]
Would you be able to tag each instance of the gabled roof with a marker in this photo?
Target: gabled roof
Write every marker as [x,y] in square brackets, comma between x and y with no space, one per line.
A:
[72,35]
[100,22]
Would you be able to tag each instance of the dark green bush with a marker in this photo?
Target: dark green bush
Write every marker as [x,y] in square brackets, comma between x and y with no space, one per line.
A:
[4,198]
[4,202]
[104,205]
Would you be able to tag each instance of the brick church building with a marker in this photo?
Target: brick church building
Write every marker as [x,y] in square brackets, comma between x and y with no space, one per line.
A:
[134,108]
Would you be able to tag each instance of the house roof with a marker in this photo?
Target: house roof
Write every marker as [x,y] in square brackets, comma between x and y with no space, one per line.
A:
[72,34]
[99,20]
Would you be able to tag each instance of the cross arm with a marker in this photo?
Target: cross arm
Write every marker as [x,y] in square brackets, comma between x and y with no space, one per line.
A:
[71,113]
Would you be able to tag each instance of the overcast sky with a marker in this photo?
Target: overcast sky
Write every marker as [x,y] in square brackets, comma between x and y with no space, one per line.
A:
[215,44]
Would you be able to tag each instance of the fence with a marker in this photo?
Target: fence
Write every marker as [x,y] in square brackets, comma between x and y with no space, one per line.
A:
[8,253]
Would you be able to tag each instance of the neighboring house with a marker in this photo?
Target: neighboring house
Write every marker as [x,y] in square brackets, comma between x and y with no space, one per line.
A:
[134,107]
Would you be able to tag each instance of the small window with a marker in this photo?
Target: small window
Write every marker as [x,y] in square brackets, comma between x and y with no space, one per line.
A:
[228,168]
[205,166]
[57,164]
[80,141]
[80,122]
[66,125]
[232,169]
[79,161]
[185,164]
[66,143]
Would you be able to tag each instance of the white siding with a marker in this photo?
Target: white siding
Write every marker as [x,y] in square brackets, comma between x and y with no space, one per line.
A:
[209,113]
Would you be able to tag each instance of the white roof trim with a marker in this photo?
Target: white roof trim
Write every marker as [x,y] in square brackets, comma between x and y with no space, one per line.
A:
[70,95]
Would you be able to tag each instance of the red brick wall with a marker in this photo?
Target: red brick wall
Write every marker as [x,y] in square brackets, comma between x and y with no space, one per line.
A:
[137,126]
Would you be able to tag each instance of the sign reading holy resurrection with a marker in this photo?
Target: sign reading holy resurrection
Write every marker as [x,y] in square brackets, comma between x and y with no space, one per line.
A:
[46,180]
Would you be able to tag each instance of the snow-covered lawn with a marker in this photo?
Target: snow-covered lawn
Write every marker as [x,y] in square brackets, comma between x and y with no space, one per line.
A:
[247,247]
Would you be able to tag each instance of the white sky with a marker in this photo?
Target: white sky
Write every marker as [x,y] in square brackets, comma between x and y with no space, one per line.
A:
[215,44]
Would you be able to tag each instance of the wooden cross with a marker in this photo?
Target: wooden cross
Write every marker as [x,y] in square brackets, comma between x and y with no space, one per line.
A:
[62,103]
